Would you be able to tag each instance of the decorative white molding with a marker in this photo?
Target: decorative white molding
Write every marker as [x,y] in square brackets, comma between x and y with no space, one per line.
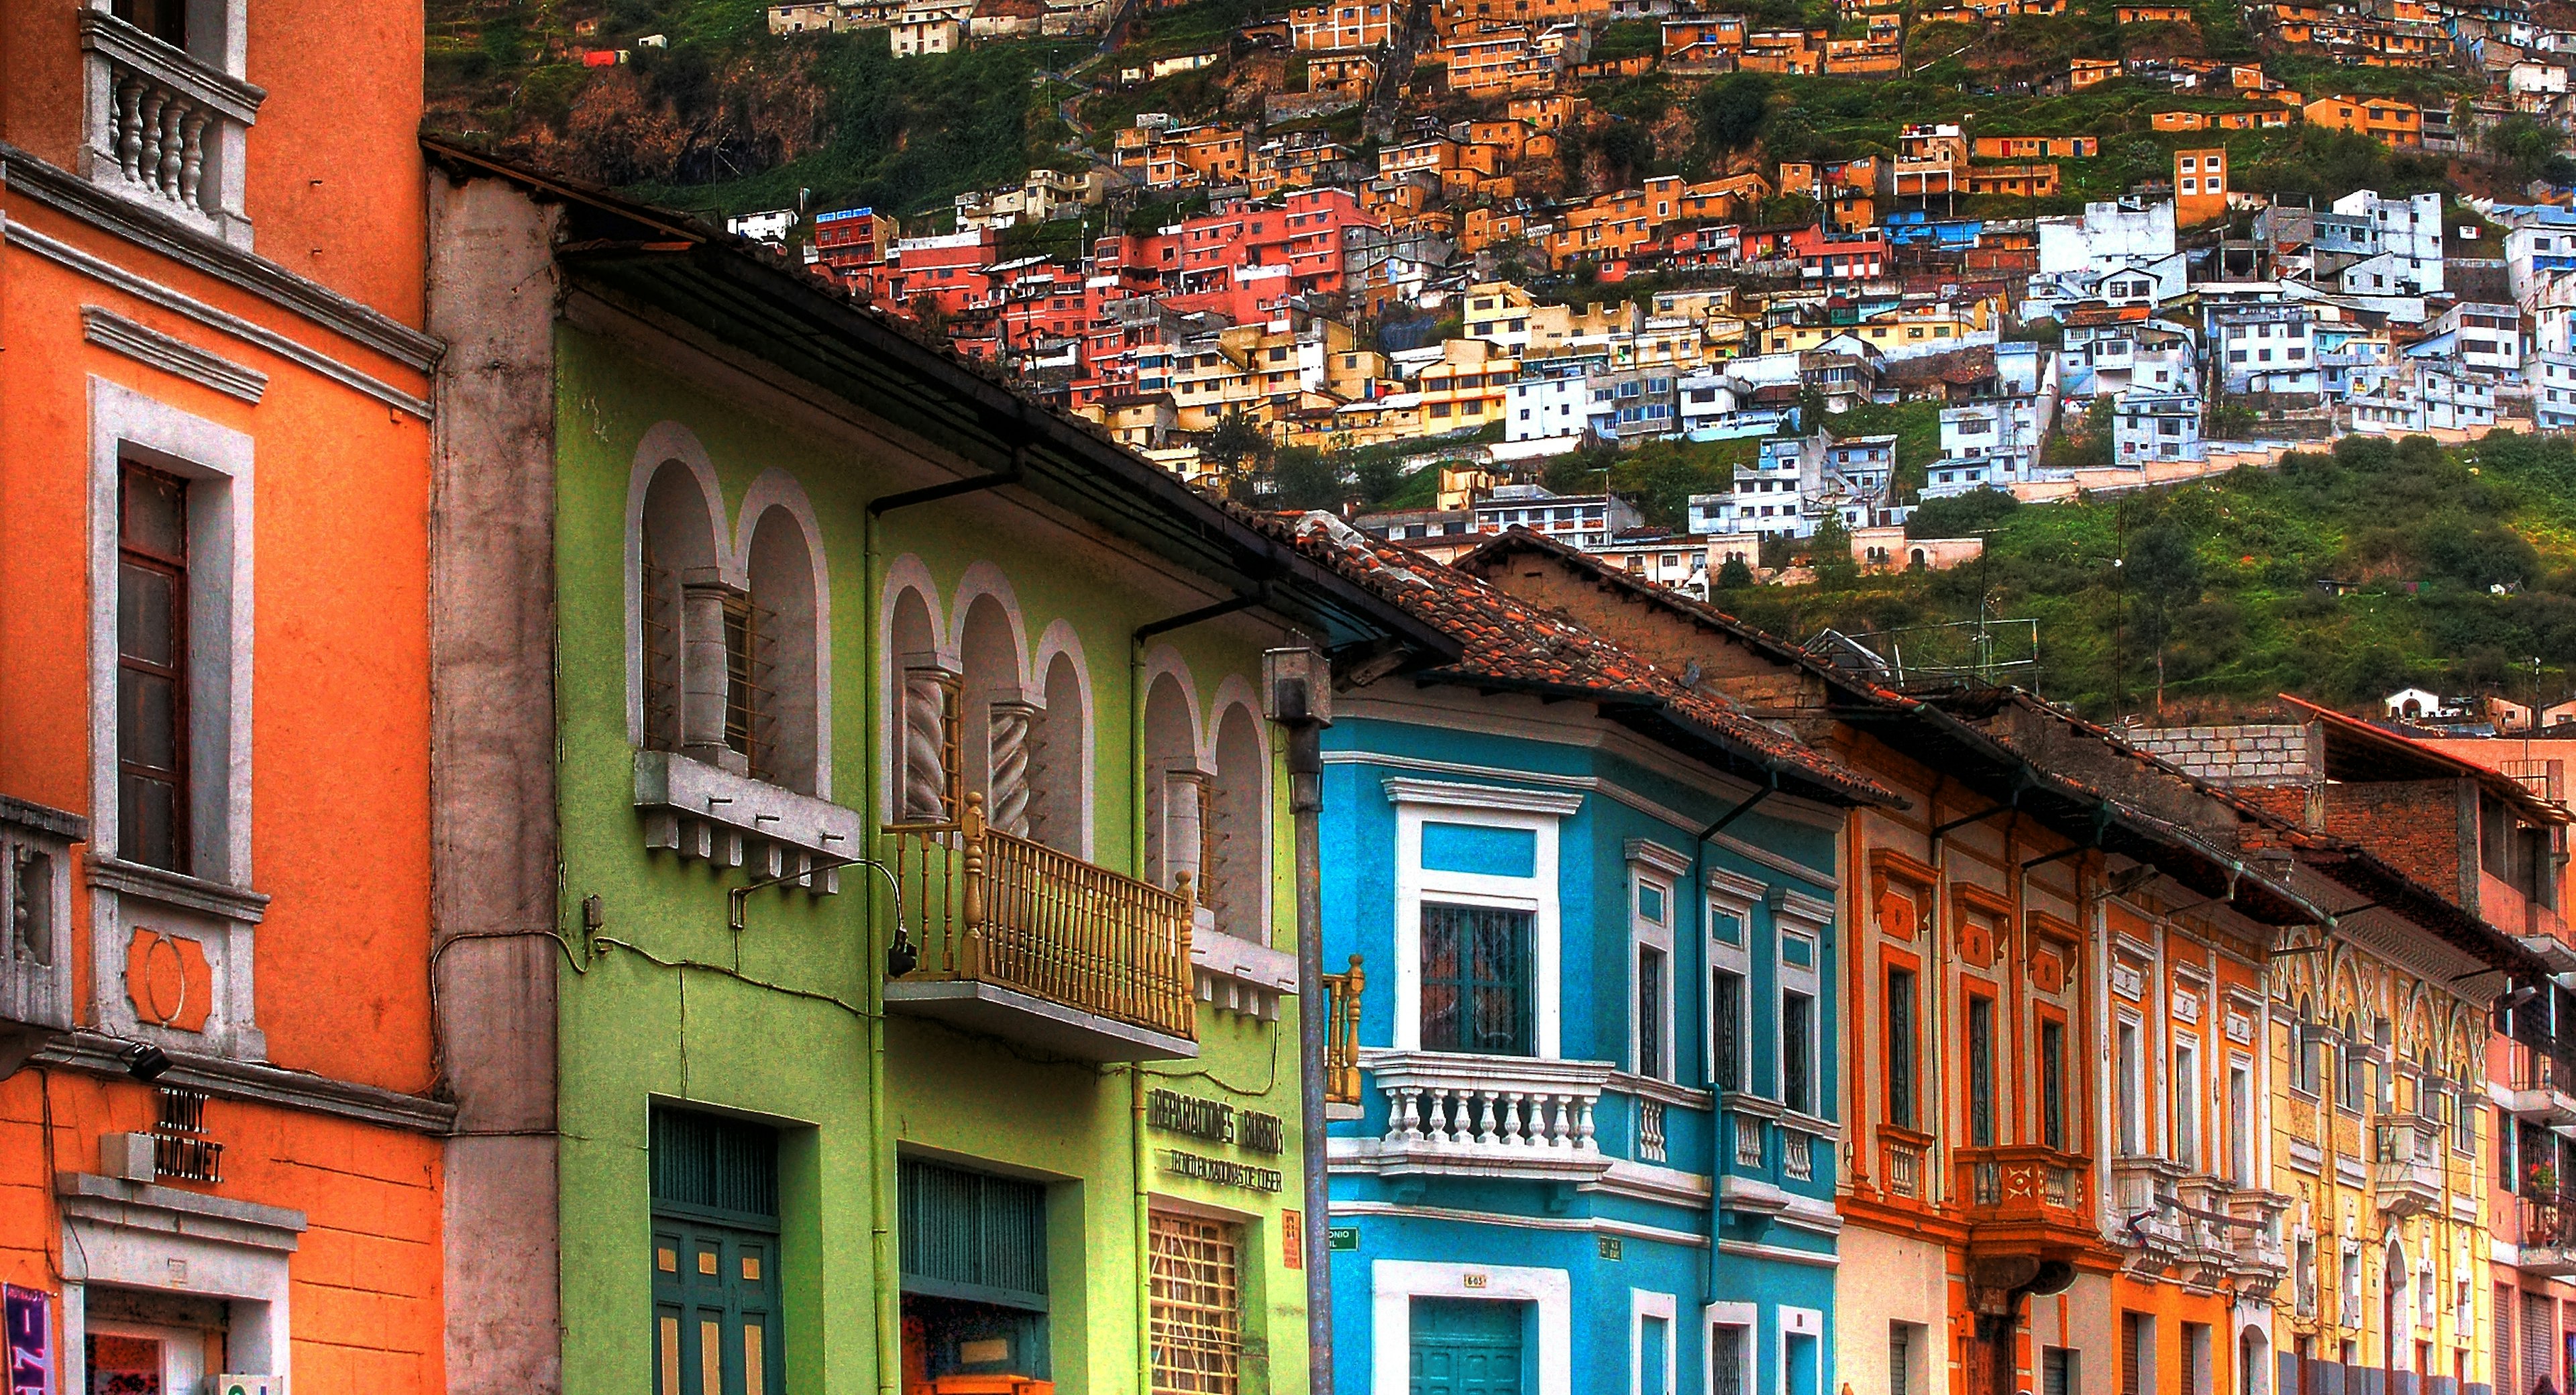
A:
[1575,1225]
[261,1084]
[702,812]
[144,344]
[1662,1092]
[1453,795]
[1750,852]
[64,192]
[1235,975]
[1646,852]
[152,292]
[1737,892]
[142,1236]
[1813,914]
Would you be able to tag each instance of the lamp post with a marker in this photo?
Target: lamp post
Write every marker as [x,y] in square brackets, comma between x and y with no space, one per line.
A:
[1299,687]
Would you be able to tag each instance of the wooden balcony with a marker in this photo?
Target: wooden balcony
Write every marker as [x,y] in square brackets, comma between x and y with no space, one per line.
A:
[1021,941]
[2027,1202]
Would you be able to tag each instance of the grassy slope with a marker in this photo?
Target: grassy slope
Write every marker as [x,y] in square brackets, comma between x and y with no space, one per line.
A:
[2425,533]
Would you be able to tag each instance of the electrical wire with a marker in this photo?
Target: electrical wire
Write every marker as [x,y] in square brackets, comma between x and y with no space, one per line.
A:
[845,1005]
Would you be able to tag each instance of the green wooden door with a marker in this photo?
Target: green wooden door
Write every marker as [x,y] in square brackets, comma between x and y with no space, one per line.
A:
[1466,1347]
[715,1310]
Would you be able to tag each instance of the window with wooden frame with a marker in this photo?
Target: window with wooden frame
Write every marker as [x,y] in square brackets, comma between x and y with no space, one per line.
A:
[2052,1082]
[1902,1046]
[1196,1304]
[152,668]
[1981,1071]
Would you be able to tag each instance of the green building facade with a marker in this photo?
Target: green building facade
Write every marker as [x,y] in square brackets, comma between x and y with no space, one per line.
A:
[921,980]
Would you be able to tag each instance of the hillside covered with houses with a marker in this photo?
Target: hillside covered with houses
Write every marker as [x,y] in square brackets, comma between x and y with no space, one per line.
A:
[1810,303]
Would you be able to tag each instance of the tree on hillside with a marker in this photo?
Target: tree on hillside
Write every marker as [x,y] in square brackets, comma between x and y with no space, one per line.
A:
[1236,441]
[1626,149]
[1734,575]
[1830,552]
[1961,515]
[2162,571]
[1729,111]
[1302,477]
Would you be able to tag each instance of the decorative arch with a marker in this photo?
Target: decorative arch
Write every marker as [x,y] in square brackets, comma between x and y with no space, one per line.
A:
[1176,773]
[1238,871]
[920,680]
[984,581]
[1062,760]
[995,711]
[669,465]
[780,541]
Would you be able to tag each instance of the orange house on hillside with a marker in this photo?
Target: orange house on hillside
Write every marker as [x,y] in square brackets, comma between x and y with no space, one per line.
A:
[2395,124]
[218,1102]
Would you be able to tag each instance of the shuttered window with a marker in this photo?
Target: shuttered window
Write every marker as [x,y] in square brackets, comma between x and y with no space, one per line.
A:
[2052,1084]
[1797,1052]
[2539,1334]
[2056,1371]
[715,1257]
[1476,972]
[152,669]
[1197,1305]
[1900,1047]
[2134,1335]
[1981,1072]
[1728,1030]
[1900,1359]
[972,1235]
[1650,1012]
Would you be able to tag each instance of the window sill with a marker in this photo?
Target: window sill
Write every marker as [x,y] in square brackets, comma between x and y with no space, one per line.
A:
[702,812]
[178,889]
[1237,975]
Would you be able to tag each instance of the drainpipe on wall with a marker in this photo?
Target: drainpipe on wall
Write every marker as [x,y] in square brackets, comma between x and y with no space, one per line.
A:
[1717,1109]
[885,1278]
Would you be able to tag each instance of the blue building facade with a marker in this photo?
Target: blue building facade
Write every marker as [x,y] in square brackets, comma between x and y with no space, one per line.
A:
[1595,1142]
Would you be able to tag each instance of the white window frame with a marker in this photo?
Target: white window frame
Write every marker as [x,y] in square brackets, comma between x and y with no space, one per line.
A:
[1540,812]
[1795,915]
[2130,1136]
[1744,1316]
[2243,1121]
[1652,865]
[213,902]
[1728,895]
[154,1238]
[1642,1305]
[2190,1134]
[1794,1323]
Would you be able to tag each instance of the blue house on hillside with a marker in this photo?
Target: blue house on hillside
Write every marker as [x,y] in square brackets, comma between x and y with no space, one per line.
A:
[1594,1139]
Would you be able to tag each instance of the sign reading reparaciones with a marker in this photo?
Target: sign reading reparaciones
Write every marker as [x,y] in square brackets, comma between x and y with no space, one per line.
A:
[1221,1171]
[1216,1121]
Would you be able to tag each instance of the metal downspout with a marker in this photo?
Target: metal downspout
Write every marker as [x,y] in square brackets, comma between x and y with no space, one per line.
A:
[885,1275]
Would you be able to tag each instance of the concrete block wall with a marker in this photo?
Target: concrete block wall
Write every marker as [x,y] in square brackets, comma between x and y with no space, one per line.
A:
[2253,754]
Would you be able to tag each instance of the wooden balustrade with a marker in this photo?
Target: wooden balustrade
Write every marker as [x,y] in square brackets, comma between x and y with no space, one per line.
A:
[993,908]
[1342,1034]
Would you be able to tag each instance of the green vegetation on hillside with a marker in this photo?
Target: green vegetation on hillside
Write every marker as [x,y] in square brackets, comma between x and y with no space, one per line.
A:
[2448,568]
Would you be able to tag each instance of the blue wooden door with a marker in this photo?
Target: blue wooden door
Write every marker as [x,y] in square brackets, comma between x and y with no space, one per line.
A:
[1466,1347]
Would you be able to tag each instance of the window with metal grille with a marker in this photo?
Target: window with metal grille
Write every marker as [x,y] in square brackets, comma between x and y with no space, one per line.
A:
[741,701]
[1981,1072]
[2052,1084]
[1727,1030]
[1476,972]
[1797,1052]
[1197,1305]
[1730,1359]
[1650,1011]
[659,621]
[152,668]
[1900,1047]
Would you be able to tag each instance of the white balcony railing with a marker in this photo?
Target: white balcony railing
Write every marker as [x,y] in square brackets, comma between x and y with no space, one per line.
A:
[2410,1165]
[164,128]
[1501,1116]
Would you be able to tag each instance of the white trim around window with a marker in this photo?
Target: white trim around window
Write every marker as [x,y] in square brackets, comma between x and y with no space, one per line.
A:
[1744,1316]
[1641,1306]
[1395,1283]
[1539,812]
[1798,1322]
[1652,873]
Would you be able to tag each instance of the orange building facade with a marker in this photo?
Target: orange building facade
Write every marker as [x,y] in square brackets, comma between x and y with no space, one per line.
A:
[219,1149]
